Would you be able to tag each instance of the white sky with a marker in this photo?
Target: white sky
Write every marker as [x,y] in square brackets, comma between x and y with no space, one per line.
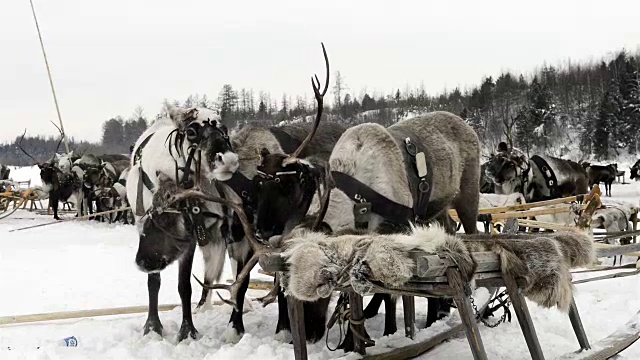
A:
[107,57]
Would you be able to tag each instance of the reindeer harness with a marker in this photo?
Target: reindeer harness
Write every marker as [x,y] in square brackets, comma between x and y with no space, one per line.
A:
[550,179]
[190,208]
[367,200]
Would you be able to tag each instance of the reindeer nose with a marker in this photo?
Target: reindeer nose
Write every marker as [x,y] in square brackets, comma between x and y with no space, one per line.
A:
[219,158]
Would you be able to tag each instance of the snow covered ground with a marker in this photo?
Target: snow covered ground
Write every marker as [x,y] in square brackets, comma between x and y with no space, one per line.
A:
[86,265]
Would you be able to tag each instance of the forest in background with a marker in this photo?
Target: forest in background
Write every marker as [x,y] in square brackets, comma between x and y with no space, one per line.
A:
[579,110]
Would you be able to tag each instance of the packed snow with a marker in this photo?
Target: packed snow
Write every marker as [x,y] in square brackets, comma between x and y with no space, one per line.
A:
[88,265]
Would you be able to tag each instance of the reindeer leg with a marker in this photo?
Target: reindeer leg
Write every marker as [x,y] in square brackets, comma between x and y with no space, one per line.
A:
[374,305]
[53,202]
[184,289]
[153,319]
[236,315]
[390,326]
[283,313]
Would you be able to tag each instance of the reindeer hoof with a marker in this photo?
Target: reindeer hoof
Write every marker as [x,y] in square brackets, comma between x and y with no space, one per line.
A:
[153,325]
[187,330]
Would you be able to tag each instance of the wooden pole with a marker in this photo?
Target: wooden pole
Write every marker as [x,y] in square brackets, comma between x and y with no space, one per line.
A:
[46,62]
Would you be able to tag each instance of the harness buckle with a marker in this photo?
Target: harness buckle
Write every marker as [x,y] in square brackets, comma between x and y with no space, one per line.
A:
[362,214]
[195,210]
[423,186]
[411,147]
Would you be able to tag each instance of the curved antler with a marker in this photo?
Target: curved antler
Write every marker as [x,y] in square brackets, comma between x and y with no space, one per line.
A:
[320,100]
[61,137]
[23,150]
[258,248]
[324,204]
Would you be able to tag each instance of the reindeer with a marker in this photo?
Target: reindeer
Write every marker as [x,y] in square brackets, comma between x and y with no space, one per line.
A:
[188,150]
[538,178]
[114,197]
[634,171]
[599,173]
[99,180]
[58,184]
[281,139]
[385,178]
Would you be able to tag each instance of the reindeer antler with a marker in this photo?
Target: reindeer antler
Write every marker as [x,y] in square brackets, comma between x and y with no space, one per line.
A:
[23,150]
[324,205]
[320,100]
[258,248]
[61,136]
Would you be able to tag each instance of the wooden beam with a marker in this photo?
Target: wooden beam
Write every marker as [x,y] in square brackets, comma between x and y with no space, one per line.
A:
[606,250]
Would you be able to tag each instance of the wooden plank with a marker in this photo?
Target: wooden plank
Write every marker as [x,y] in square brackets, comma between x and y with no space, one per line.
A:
[578,329]
[606,250]
[409,308]
[524,213]
[433,265]
[524,317]
[613,344]
[65,315]
[413,350]
[532,205]
[298,334]
[545,225]
[610,276]
[466,314]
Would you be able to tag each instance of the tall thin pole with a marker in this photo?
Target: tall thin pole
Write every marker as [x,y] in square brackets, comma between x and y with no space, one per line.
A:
[55,99]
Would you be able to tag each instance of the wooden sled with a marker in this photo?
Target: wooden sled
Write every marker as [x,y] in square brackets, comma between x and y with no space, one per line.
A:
[439,277]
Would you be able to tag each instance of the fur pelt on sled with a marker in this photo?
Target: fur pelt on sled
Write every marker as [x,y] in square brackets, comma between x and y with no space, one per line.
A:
[319,263]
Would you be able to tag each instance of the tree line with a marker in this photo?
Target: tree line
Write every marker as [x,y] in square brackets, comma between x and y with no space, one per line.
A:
[592,108]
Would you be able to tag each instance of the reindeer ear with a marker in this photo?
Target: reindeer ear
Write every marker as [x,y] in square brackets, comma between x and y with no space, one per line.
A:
[174,112]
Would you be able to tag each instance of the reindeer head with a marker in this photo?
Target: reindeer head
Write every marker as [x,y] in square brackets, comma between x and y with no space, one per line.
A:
[165,235]
[49,174]
[168,231]
[284,190]
[507,166]
[92,176]
[285,184]
[201,128]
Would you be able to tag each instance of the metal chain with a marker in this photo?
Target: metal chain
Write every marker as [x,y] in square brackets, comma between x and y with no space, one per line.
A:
[503,318]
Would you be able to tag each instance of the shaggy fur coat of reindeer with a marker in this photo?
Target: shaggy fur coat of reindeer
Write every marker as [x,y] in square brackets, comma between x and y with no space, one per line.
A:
[370,154]
[319,263]
[248,141]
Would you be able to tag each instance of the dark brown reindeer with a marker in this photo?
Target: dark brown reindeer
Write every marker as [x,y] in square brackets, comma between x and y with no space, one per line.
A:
[601,174]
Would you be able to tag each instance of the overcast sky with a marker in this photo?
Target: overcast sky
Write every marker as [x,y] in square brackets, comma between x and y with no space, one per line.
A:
[107,57]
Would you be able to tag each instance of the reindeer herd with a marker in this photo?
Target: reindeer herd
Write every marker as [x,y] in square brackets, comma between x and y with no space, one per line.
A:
[191,184]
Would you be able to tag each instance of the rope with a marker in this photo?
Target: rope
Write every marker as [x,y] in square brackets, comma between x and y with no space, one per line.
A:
[53,91]
[342,315]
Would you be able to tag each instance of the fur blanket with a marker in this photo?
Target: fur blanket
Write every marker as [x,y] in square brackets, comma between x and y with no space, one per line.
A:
[318,264]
